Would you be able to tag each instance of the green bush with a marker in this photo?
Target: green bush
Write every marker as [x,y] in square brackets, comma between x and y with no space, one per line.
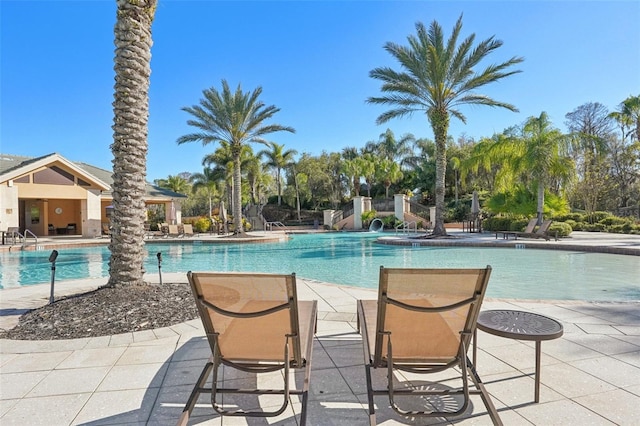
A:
[614,220]
[593,227]
[202,224]
[561,229]
[497,224]
[576,217]
[504,224]
[367,217]
[458,213]
[597,216]
[389,222]
[572,223]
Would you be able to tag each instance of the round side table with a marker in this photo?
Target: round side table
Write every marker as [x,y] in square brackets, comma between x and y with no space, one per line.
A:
[519,325]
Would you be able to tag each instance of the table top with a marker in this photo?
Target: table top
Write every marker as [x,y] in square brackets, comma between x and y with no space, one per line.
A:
[519,325]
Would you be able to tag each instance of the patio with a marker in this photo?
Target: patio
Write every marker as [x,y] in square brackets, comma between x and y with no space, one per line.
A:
[591,375]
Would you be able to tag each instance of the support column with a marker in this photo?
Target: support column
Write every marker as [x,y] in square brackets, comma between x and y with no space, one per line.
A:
[399,205]
[327,218]
[358,209]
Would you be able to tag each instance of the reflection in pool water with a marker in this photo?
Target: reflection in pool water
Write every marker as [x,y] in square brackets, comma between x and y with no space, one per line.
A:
[354,259]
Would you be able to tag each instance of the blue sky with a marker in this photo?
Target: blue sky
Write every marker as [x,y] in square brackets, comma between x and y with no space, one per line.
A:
[312,60]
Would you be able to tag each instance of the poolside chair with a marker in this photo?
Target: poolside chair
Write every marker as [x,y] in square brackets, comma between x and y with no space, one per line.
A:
[528,230]
[174,231]
[254,323]
[163,227]
[423,322]
[187,230]
[541,232]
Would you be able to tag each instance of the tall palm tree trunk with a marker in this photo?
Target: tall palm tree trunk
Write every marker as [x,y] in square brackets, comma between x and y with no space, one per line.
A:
[440,123]
[540,202]
[237,194]
[131,113]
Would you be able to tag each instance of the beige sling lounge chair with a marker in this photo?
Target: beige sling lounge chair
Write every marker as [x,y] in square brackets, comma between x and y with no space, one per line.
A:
[528,230]
[423,322]
[254,323]
[541,232]
[187,230]
[174,231]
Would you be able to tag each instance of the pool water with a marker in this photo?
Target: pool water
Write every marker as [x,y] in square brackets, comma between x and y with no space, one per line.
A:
[354,259]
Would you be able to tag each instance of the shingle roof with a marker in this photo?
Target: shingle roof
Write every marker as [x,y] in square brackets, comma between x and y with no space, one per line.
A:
[10,162]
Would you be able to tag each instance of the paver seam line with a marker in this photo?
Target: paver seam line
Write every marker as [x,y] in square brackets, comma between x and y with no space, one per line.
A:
[600,353]
[587,407]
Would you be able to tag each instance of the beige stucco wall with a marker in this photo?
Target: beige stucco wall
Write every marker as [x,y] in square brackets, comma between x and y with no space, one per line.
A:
[91,214]
[51,191]
[8,206]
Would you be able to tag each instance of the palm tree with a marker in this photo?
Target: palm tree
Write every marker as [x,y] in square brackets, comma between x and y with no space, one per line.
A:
[209,181]
[278,159]
[132,64]
[537,157]
[396,149]
[628,115]
[351,169]
[541,155]
[438,78]
[174,183]
[222,162]
[235,118]
[367,165]
[388,172]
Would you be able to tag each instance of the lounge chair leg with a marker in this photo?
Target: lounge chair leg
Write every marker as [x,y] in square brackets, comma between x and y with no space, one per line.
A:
[193,398]
[372,409]
[491,409]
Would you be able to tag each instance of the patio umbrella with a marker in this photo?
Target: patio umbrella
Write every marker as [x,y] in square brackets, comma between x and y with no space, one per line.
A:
[475,203]
[223,216]
[171,216]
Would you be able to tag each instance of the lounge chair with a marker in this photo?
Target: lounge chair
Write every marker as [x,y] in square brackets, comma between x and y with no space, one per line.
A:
[174,231]
[254,323]
[541,232]
[106,230]
[528,230]
[423,322]
[187,230]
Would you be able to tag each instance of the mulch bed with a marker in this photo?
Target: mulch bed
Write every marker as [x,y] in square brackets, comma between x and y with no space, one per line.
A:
[107,311]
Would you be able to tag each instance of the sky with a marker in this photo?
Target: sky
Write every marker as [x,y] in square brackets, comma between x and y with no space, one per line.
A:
[312,60]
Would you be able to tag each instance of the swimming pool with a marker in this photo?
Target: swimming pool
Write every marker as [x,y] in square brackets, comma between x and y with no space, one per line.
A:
[354,259]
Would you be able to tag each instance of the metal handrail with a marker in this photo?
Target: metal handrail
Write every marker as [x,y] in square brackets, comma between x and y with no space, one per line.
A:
[406,227]
[269,226]
[35,237]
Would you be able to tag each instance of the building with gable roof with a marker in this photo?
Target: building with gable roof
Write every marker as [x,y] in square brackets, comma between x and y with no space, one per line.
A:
[52,195]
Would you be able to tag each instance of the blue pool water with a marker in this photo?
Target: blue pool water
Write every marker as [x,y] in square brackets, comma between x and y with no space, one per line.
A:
[354,259]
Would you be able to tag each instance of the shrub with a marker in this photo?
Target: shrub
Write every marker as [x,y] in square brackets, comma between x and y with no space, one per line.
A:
[576,217]
[367,217]
[389,222]
[572,224]
[598,216]
[614,220]
[518,225]
[457,213]
[496,224]
[593,227]
[562,229]
[202,224]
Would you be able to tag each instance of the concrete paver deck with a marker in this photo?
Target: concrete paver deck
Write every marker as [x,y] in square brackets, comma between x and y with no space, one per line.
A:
[591,375]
